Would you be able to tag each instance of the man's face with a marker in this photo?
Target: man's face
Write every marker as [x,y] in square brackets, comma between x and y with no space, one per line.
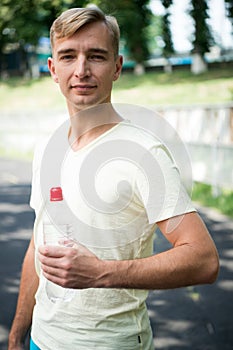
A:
[84,66]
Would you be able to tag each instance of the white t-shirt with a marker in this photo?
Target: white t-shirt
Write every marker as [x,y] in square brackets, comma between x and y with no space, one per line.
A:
[117,188]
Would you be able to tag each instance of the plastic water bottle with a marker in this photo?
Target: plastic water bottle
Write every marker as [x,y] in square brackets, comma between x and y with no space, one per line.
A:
[56,231]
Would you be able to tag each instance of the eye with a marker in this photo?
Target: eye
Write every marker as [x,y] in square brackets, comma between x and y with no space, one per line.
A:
[67,57]
[97,58]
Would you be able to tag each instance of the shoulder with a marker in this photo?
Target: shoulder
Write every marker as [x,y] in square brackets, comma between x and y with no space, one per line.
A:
[132,132]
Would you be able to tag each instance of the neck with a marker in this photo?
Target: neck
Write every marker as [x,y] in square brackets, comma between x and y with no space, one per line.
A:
[89,123]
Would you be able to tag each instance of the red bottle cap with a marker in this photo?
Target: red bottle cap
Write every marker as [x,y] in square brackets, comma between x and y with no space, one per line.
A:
[56,194]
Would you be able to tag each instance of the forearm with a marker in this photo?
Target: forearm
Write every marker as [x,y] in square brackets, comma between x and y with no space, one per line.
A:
[26,301]
[170,269]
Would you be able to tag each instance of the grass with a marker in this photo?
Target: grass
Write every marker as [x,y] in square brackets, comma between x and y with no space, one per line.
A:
[18,94]
[180,87]
[13,153]
[154,88]
[203,194]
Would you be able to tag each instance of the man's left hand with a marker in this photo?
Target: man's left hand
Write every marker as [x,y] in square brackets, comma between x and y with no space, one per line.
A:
[70,266]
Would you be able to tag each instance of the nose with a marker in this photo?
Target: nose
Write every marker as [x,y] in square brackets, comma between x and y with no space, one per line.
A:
[82,68]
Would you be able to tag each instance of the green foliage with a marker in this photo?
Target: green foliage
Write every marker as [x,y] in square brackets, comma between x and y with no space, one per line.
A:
[167,3]
[168,49]
[223,202]
[229,11]
[22,23]
[154,34]
[25,21]
[134,17]
[202,39]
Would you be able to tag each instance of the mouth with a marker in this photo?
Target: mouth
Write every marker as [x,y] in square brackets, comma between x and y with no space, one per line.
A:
[83,87]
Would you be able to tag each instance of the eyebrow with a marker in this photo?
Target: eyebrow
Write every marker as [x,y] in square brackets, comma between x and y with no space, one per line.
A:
[98,50]
[91,50]
[65,51]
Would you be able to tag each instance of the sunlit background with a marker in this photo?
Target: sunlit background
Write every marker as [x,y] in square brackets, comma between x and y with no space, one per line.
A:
[182,26]
[185,75]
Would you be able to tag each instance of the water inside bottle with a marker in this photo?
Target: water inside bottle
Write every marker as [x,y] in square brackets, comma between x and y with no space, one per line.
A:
[55,235]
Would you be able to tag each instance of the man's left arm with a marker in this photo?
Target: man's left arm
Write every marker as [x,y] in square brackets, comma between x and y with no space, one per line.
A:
[193,259]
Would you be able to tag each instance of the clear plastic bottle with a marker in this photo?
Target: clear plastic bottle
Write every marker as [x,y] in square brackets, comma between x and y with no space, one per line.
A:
[56,231]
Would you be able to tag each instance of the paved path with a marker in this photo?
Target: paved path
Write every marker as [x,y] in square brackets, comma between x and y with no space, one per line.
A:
[16,220]
[195,318]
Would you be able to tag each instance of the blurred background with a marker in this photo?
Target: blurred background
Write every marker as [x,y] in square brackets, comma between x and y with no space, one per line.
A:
[178,61]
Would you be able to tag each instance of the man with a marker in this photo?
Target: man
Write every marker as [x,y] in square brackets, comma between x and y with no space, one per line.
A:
[114,266]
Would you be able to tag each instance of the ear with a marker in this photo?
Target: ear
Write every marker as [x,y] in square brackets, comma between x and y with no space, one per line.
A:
[119,63]
[52,70]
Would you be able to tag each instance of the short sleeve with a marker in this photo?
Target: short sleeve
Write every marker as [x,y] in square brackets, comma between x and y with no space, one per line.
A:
[160,187]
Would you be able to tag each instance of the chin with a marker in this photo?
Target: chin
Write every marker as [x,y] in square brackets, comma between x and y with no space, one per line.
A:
[91,103]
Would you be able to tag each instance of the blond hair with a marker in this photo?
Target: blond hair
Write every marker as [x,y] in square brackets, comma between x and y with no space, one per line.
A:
[70,21]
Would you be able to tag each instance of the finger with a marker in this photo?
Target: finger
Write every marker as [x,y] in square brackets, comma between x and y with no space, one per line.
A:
[67,243]
[53,278]
[51,272]
[52,251]
[56,275]
[49,261]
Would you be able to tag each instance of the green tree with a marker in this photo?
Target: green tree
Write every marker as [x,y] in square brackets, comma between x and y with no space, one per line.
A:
[229,10]
[168,48]
[166,31]
[202,38]
[134,17]
[155,35]
[23,22]
[51,9]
